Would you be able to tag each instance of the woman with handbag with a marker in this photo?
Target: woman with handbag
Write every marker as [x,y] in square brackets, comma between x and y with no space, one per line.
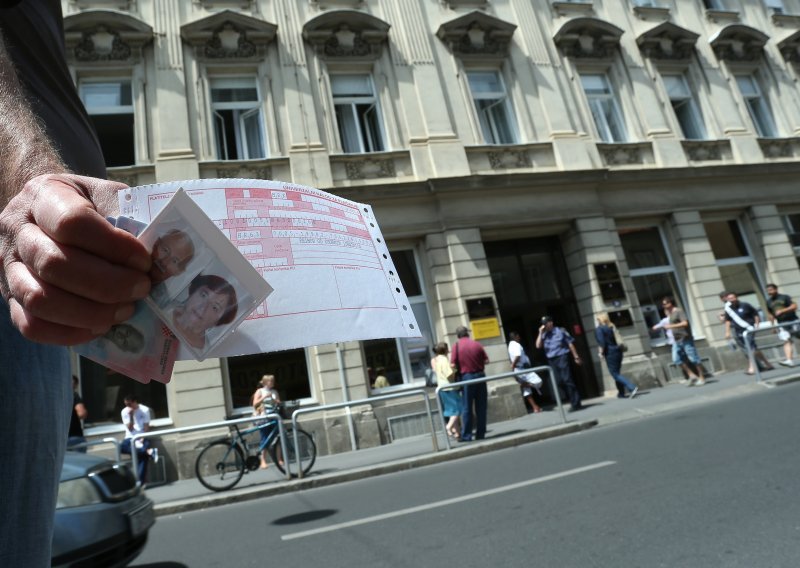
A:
[610,347]
[451,398]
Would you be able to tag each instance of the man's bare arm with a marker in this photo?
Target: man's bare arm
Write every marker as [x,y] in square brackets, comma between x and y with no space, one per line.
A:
[66,273]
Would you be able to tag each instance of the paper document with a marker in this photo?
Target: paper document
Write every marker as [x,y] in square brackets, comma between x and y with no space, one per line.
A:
[323,256]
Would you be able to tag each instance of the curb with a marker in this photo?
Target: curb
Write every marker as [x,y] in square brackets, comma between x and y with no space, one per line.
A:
[472,449]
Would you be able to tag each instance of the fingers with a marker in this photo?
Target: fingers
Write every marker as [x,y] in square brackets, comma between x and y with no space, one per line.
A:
[64,213]
[68,274]
[73,270]
[42,331]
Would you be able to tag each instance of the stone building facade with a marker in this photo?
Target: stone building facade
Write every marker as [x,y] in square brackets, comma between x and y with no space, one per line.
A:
[523,157]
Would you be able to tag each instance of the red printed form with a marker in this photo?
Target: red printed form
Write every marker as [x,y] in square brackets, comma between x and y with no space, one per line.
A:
[324,256]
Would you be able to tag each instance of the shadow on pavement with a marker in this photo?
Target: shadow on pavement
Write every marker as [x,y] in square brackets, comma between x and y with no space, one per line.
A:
[306,517]
[161,565]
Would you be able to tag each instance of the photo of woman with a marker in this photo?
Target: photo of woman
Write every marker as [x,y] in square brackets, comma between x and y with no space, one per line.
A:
[212,302]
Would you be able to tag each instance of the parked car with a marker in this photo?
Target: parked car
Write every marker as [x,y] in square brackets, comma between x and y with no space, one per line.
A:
[102,514]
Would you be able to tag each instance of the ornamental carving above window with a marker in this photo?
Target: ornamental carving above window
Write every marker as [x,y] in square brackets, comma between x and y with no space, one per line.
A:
[477,35]
[101,36]
[739,43]
[588,38]
[229,35]
[668,42]
[346,34]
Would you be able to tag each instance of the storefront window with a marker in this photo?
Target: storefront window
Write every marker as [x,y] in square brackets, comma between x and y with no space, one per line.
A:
[404,360]
[289,367]
[735,264]
[653,275]
[104,390]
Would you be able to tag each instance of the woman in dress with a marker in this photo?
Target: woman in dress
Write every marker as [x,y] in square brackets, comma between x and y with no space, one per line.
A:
[451,398]
[265,401]
[612,353]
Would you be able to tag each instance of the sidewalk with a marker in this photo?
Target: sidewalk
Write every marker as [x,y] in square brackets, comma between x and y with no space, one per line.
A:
[189,495]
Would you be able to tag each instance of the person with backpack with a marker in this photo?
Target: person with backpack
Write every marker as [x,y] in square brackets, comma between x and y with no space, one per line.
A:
[610,349]
[558,345]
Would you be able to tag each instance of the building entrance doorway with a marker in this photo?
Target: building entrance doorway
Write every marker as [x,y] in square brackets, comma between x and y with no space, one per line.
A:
[530,280]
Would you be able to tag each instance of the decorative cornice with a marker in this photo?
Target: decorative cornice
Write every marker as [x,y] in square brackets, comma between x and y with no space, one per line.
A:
[346,34]
[790,48]
[477,35]
[105,36]
[667,41]
[738,43]
[229,35]
[588,38]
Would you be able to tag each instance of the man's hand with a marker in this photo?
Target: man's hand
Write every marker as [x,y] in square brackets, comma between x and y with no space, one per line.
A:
[68,275]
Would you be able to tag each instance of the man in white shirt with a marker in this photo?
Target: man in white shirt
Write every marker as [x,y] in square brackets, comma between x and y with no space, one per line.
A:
[136,419]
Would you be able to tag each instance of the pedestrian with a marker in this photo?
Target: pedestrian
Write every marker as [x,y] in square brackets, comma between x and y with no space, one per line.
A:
[76,441]
[265,401]
[55,247]
[741,317]
[684,353]
[469,359]
[783,310]
[136,419]
[609,349]
[529,383]
[451,398]
[558,345]
[381,382]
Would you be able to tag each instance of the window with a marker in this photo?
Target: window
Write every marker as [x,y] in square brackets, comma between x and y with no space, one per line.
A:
[405,360]
[238,126]
[110,108]
[685,107]
[792,223]
[604,107]
[357,114]
[715,4]
[735,264]
[757,106]
[289,367]
[104,390]
[653,275]
[775,6]
[493,107]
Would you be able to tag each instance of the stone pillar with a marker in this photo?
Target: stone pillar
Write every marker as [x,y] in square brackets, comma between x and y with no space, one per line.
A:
[459,272]
[336,374]
[703,280]
[175,158]
[593,241]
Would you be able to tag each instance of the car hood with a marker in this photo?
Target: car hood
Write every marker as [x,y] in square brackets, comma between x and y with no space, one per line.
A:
[79,465]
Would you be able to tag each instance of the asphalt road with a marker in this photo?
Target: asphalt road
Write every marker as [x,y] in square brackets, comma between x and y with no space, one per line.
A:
[716,485]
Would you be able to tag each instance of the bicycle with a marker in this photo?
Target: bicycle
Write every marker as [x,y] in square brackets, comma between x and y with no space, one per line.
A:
[222,463]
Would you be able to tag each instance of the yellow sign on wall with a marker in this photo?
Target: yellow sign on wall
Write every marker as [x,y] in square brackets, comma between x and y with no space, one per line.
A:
[485,328]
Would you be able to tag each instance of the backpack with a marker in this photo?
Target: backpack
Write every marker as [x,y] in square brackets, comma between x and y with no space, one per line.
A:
[618,339]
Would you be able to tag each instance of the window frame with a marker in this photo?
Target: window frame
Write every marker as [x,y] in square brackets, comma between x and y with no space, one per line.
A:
[133,109]
[401,344]
[353,101]
[604,131]
[669,269]
[762,106]
[691,100]
[243,107]
[502,98]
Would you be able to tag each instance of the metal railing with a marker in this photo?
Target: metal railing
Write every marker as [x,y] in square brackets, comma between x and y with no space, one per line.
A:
[209,426]
[460,384]
[751,355]
[363,401]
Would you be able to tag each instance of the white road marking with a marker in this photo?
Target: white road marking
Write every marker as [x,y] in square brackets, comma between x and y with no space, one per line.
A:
[446,502]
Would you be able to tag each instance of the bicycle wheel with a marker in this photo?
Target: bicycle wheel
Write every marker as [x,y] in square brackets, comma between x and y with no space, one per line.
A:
[220,465]
[307,450]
